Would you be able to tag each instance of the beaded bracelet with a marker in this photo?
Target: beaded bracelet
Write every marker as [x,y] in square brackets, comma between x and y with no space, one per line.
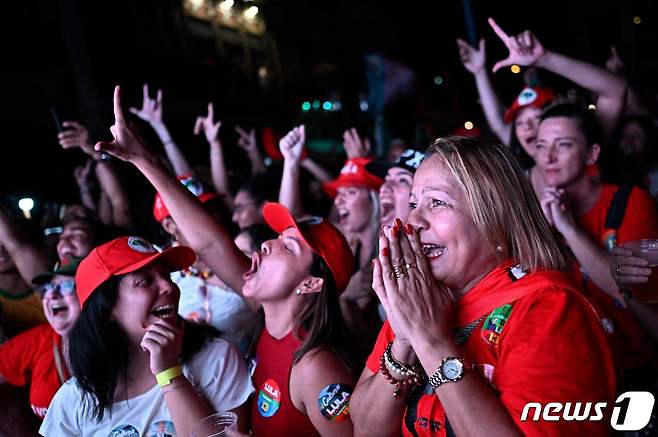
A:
[398,369]
[397,383]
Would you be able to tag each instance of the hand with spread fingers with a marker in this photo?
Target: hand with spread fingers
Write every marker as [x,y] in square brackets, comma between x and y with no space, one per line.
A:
[417,308]
[524,48]
[208,125]
[127,145]
[473,59]
[627,269]
[355,147]
[151,110]
[247,139]
[163,341]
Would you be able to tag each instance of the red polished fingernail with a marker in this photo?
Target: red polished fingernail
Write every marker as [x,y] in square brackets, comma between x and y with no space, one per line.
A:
[398,222]
[394,231]
[408,229]
[384,251]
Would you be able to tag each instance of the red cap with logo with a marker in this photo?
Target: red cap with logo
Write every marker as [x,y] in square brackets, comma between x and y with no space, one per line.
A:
[533,97]
[354,173]
[322,237]
[160,211]
[124,255]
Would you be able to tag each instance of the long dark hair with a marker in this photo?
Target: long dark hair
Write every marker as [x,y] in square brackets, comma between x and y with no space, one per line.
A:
[98,348]
[320,319]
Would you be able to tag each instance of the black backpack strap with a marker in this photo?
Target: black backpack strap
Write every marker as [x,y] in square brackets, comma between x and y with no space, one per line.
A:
[618,207]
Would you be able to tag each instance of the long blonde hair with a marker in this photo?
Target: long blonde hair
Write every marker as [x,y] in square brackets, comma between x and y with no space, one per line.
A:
[501,200]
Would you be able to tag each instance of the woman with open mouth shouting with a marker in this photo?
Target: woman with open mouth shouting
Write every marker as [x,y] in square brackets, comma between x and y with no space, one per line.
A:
[134,362]
[482,317]
[39,356]
[301,371]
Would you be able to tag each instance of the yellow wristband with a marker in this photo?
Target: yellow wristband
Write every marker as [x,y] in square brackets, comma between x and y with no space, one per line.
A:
[166,376]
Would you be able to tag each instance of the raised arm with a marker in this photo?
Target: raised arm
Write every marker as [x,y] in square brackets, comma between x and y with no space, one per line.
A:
[355,146]
[217,166]
[27,257]
[526,50]
[151,112]
[211,241]
[109,180]
[474,60]
[247,140]
[77,135]
[291,147]
[615,65]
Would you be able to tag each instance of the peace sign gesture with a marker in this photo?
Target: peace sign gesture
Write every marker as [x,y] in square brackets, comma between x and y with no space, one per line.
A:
[151,110]
[524,48]
[210,128]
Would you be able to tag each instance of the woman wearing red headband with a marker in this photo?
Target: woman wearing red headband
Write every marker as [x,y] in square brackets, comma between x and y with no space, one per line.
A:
[303,383]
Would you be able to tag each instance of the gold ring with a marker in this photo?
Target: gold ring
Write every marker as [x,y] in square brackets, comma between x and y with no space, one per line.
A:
[400,271]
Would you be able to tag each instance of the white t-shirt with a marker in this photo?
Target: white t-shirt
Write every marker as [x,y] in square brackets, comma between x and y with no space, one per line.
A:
[222,308]
[217,372]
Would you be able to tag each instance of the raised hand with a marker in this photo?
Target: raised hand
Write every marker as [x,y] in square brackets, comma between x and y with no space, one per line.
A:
[76,135]
[292,144]
[247,140]
[556,207]
[127,145]
[163,341]
[210,128]
[524,48]
[614,64]
[472,59]
[151,110]
[355,147]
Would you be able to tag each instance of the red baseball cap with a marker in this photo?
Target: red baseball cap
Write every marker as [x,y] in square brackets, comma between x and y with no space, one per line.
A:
[534,97]
[124,255]
[160,211]
[322,237]
[354,173]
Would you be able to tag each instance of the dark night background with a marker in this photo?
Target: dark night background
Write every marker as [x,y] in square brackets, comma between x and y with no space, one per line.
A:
[70,54]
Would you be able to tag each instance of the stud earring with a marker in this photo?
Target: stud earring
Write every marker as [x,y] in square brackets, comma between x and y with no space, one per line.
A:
[499,248]
[298,291]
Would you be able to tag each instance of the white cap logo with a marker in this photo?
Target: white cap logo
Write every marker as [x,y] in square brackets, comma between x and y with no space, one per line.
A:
[140,245]
[527,96]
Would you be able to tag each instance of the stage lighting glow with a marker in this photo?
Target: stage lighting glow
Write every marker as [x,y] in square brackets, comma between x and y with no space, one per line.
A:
[26,204]
[592,107]
[226,5]
[515,69]
[468,125]
[327,106]
[251,12]
[306,106]
[637,19]
[438,80]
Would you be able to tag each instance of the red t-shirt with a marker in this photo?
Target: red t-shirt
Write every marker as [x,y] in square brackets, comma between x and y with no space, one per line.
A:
[272,410]
[28,358]
[541,342]
[640,221]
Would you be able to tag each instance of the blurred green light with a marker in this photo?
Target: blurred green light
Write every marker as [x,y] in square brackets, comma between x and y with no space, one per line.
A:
[316,104]
[327,106]
[306,106]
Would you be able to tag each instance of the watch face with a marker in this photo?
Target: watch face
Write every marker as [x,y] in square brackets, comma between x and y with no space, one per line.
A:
[452,369]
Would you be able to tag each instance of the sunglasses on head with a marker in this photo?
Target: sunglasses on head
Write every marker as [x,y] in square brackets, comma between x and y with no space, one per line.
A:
[65,288]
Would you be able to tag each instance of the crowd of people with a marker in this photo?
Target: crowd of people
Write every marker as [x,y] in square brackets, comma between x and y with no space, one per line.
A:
[443,290]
